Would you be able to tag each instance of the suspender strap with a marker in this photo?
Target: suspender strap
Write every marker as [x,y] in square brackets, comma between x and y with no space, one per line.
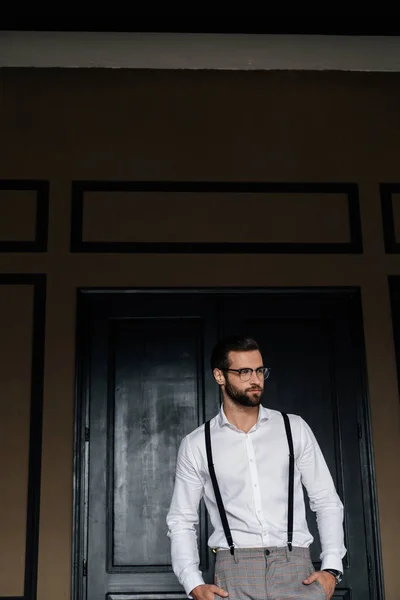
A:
[220,505]
[291,481]
[217,493]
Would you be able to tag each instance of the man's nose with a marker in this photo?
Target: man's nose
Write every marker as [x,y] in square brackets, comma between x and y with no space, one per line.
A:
[254,378]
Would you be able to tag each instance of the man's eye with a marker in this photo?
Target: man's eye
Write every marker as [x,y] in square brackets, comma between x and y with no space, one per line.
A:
[245,371]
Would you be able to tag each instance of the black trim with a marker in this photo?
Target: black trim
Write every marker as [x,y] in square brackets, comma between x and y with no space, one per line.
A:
[394,290]
[81,424]
[392,246]
[276,25]
[35,434]
[79,188]
[372,529]
[144,595]
[326,290]
[41,187]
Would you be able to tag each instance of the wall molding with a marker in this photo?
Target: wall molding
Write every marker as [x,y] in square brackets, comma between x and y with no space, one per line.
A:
[38,281]
[79,188]
[41,187]
[392,246]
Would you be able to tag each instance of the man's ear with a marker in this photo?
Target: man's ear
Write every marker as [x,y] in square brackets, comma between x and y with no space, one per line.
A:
[219,377]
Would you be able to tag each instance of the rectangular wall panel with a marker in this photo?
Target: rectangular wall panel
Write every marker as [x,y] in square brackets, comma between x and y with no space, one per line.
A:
[123,216]
[24,215]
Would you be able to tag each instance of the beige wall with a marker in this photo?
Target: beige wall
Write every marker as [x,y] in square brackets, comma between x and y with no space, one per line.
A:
[64,125]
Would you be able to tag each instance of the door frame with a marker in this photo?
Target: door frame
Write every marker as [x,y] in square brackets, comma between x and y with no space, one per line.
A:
[394,292]
[80,459]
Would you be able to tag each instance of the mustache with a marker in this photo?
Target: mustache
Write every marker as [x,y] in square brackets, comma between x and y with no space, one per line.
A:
[254,389]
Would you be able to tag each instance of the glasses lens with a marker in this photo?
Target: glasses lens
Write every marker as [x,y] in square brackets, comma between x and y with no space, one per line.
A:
[263,372]
[245,374]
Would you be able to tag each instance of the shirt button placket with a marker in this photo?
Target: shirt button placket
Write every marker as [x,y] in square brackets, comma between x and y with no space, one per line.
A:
[256,489]
[254,477]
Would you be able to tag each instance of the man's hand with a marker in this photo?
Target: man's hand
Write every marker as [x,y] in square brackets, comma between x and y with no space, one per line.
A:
[327,580]
[207,592]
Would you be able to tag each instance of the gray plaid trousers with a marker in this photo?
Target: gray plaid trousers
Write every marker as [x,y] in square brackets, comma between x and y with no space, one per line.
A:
[267,574]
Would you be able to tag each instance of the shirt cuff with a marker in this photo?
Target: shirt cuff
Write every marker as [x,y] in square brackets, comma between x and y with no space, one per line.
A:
[192,581]
[332,561]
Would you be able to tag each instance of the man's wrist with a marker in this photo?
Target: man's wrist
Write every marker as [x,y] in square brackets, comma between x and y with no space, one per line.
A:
[191,582]
[338,575]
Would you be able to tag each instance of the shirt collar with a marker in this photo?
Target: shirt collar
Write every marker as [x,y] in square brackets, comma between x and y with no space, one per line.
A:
[263,415]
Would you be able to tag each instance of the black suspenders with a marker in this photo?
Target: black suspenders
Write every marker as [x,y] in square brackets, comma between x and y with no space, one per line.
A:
[291,481]
[221,508]
[218,498]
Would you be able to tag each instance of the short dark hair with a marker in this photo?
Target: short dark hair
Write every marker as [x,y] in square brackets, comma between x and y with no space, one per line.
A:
[236,343]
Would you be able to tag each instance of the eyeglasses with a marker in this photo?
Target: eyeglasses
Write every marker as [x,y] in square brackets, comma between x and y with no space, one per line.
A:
[245,374]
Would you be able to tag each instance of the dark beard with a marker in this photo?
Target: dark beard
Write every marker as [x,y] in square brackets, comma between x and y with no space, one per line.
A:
[242,398]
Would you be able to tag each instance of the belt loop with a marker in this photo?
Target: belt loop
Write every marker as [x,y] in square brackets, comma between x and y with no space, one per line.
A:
[287,554]
[235,556]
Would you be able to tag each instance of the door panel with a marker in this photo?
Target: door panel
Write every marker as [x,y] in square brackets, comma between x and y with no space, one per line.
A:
[156,376]
[311,347]
[148,388]
[147,382]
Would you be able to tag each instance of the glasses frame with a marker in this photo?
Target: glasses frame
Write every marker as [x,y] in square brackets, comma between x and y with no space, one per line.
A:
[267,372]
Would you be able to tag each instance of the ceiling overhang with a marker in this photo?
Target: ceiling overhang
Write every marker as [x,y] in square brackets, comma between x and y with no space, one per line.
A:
[242,52]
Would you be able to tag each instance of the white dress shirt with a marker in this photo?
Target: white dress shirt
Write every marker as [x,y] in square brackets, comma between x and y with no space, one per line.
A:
[252,473]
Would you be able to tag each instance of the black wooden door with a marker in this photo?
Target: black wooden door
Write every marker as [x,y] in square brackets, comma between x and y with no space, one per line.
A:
[146,382]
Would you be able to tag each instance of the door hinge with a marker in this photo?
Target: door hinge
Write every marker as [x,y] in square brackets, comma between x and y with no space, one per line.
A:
[84,570]
[369,562]
[359,431]
[87,434]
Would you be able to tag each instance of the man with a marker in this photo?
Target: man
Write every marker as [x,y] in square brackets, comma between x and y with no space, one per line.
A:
[250,454]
